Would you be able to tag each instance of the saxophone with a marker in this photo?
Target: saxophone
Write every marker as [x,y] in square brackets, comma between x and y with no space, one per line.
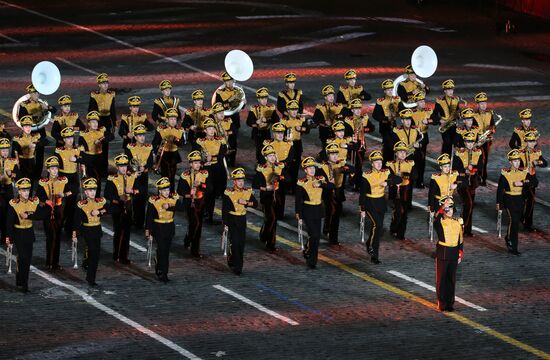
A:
[451,120]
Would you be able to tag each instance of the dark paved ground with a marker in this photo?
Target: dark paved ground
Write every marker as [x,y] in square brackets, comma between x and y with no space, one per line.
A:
[347,308]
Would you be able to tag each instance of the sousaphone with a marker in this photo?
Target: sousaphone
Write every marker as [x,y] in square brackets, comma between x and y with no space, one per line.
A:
[240,67]
[46,79]
[424,64]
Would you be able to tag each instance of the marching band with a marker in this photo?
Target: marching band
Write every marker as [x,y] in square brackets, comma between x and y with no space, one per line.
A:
[69,195]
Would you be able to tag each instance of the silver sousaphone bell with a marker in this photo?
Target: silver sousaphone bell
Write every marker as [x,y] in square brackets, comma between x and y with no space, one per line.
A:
[240,67]
[46,79]
[424,64]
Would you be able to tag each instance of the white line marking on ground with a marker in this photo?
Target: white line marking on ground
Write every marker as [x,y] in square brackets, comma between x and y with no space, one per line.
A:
[500,67]
[501,84]
[532,98]
[90,300]
[9,38]
[401,20]
[189,56]
[431,288]
[132,244]
[89,71]
[256,305]
[309,44]
[265,17]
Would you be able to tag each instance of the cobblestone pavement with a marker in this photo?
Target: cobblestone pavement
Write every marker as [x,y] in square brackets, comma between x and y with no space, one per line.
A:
[346,308]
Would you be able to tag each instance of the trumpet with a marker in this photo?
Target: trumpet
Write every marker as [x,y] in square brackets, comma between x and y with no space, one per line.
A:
[450,120]
[8,257]
[160,154]
[224,239]
[149,250]
[74,253]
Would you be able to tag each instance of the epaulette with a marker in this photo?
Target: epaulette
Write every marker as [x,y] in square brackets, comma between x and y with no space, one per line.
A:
[82,202]
[100,200]
[505,170]
[396,98]
[219,137]
[202,171]
[43,180]
[130,145]
[267,142]
[437,174]
[102,128]
[147,145]
[344,87]
[379,100]
[280,94]
[441,97]
[366,172]
[60,148]
[14,201]
[460,220]
[94,92]
[319,106]
[228,191]
[153,198]
[61,178]
[161,127]
[259,167]
[174,195]
[111,177]
[409,161]
[185,173]
[178,127]
[34,200]
[302,181]
[245,188]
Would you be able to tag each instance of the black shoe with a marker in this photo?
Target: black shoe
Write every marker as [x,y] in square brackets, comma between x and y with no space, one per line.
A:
[92,283]
[529,229]
[210,221]
[468,234]
[56,267]
[306,255]
[335,245]
[311,266]
[514,252]
[272,249]
[125,261]
[483,183]
[237,272]
[25,289]
[374,260]
[450,309]
[420,186]
[370,251]
[198,256]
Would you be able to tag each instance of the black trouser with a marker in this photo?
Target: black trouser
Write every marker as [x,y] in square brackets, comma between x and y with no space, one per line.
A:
[399,217]
[163,235]
[375,209]
[232,148]
[294,164]
[514,205]
[387,147]
[237,240]
[219,178]
[23,239]
[420,161]
[27,170]
[122,221]
[6,194]
[94,165]
[259,136]
[485,149]
[355,179]
[92,237]
[169,166]
[527,218]
[195,214]
[107,122]
[468,195]
[70,201]
[313,227]
[52,228]
[448,138]
[268,233]
[333,211]
[445,273]
[139,200]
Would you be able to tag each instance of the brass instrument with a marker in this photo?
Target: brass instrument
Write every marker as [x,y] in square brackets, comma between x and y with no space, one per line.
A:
[42,122]
[301,234]
[8,257]
[486,136]
[451,120]
[160,154]
[412,147]
[236,102]
[225,240]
